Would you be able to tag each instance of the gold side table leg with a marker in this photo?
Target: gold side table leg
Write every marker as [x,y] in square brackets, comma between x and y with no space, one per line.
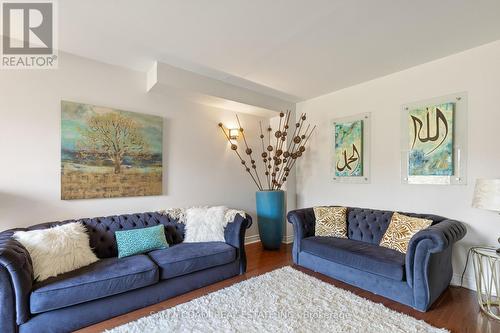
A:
[486,269]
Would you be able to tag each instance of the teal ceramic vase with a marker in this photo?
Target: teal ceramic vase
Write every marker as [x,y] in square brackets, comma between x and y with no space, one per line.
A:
[271,210]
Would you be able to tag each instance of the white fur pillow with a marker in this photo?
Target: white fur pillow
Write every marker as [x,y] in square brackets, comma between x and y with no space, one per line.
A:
[205,224]
[57,250]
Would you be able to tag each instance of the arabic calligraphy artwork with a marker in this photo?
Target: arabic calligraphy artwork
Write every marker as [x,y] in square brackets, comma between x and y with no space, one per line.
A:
[349,149]
[434,141]
[431,138]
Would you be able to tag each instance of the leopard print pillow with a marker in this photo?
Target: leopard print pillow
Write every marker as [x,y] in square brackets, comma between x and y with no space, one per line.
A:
[331,221]
[401,229]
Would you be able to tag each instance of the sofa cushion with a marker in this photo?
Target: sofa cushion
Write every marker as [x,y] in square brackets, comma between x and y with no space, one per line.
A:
[143,240]
[401,230]
[186,258]
[356,254]
[331,221]
[57,250]
[104,278]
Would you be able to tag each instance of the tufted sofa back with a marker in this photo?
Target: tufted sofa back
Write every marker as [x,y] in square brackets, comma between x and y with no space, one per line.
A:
[367,225]
[101,230]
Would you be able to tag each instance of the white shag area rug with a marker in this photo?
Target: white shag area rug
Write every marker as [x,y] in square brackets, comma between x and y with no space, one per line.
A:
[284,300]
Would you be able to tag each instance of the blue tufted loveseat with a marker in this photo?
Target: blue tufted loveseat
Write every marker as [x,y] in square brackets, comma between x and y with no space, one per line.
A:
[112,286]
[415,279]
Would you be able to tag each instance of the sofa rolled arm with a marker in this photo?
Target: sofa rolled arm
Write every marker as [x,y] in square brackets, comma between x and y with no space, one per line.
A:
[442,235]
[438,237]
[234,234]
[17,275]
[436,241]
[304,223]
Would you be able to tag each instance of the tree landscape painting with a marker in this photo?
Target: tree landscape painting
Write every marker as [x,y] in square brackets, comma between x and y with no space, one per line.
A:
[109,153]
[431,140]
[349,149]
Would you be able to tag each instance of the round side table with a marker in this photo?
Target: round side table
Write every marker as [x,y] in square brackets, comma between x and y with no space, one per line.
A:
[487,270]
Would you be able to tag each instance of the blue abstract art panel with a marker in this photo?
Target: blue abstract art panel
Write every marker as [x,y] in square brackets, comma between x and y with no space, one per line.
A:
[349,149]
[431,139]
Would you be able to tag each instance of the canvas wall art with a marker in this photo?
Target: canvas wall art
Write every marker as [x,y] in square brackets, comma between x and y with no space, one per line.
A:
[107,152]
[349,148]
[431,139]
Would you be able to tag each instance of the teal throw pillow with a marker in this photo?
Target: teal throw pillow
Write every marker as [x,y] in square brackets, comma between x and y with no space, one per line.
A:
[142,240]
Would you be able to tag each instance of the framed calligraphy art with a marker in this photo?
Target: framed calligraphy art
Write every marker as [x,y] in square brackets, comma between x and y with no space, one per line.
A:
[433,141]
[350,149]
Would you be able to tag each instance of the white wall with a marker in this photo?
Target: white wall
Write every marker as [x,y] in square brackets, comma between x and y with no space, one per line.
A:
[476,71]
[199,168]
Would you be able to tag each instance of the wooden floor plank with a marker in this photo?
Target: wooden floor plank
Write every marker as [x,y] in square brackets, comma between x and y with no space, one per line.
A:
[457,309]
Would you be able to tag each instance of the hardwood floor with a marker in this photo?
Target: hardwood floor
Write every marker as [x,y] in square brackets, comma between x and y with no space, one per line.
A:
[457,309]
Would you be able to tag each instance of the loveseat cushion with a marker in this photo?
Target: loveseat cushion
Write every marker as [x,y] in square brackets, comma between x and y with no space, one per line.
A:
[357,254]
[187,258]
[104,278]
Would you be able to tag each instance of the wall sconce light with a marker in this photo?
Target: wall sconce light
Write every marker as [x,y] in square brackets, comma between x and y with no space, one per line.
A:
[234,133]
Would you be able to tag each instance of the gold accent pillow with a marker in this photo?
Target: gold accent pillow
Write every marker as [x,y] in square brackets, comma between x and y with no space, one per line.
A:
[401,229]
[331,221]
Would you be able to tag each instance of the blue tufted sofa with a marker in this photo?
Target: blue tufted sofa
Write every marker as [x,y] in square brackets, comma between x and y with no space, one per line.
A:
[415,279]
[112,286]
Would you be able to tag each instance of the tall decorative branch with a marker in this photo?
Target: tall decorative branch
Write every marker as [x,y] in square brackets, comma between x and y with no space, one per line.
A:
[278,157]
[264,156]
[298,153]
[234,148]
[248,151]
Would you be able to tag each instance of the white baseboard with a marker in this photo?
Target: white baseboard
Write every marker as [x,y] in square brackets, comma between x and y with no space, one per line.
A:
[287,239]
[252,239]
[255,238]
[468,282]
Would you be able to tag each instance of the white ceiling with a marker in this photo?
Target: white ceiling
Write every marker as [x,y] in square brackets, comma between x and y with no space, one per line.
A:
[291,49]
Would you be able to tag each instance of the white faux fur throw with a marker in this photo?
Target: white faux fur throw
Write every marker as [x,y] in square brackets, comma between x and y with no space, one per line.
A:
[180,213]
[206,224]
[57,250]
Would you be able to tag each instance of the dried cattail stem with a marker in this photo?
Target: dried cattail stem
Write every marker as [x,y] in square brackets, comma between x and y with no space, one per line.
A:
[296,132]
[248,151]
[278,161]
[297,153]
[302,148]
[269,149]
[277,134]
[295,139]
[280,153]
[284,132]
[280,149]
[235,149]
[264,156]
